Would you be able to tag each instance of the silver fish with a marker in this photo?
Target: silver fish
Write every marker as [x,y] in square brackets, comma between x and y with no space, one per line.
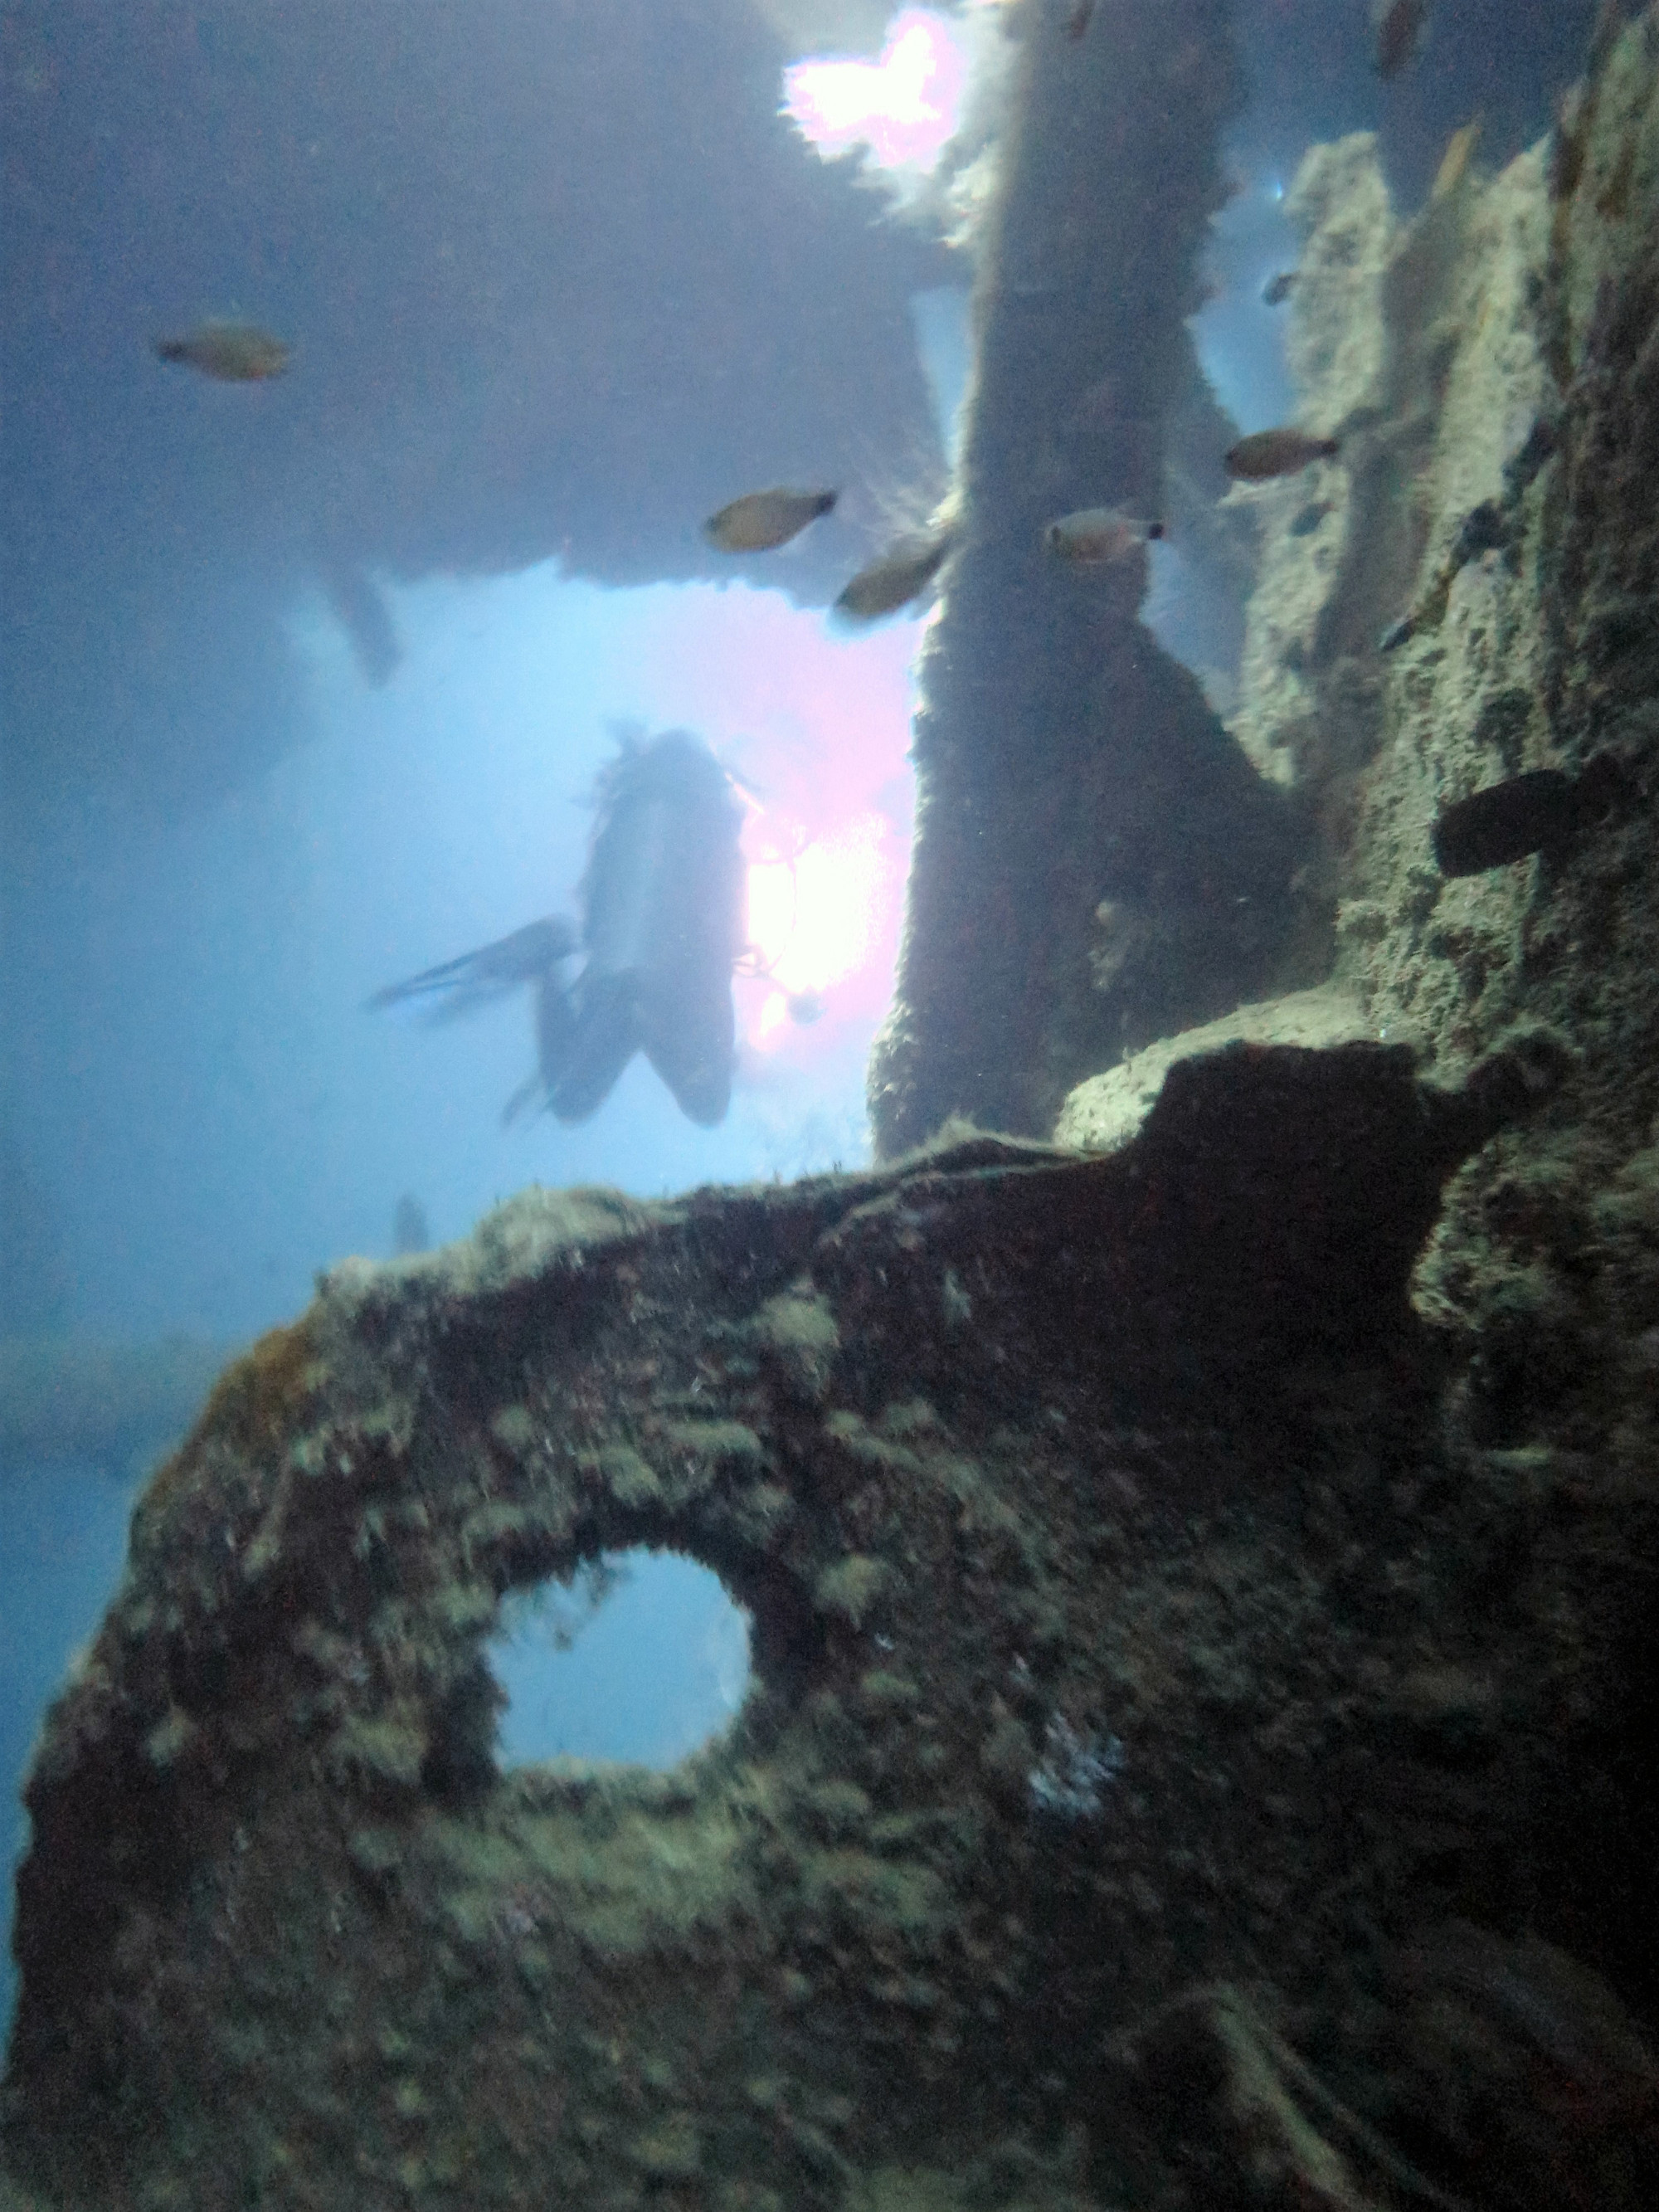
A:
[1095,537]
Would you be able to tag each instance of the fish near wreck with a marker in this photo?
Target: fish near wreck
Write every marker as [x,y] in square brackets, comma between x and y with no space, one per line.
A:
[1455,161]
[1097,537]
[761,522]
[1541,810]
[410,1233]
[903,574]
[663,901]
[230,353]
[1283,453]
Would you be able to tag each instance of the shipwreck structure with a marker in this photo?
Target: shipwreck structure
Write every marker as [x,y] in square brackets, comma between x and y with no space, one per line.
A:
[1077,795]
[1202,1575]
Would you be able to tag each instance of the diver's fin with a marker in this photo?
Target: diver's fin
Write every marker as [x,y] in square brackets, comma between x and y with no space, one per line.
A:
[557,1032]
[690,1038]
[463,985]
[522,1099]
[603,1038]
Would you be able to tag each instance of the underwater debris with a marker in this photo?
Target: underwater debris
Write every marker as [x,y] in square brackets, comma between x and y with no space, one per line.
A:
[1540,811]
[1277,289]
[1282,452]
[1069,1783]
[1397,28]
[1270,2116]
[761,522]
[903,574]
[1095,537]
[662,926]
[232,353]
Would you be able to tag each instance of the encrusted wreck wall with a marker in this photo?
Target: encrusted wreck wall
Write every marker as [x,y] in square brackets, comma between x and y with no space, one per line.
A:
[1119,1633]
[1494,528]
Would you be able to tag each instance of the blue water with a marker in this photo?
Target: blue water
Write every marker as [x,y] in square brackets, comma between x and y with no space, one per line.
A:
[65,1540]
[656,1670]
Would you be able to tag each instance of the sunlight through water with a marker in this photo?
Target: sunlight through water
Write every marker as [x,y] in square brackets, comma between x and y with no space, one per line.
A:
[903,107]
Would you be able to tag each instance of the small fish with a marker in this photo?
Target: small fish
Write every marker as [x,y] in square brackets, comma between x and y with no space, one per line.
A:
[1541,810]
[903,574]
[1267,453]
[1397,28]
[761,522]
[1095,536]
[1277,289]
[1455,161]
[804,1008]
[1077,23]
[235,353]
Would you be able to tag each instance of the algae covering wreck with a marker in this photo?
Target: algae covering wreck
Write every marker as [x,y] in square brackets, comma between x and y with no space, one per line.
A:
[1073,1579]
[1202,1575]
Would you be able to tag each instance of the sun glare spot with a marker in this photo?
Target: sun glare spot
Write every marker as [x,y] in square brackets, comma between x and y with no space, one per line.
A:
[904,108]
[815,918]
